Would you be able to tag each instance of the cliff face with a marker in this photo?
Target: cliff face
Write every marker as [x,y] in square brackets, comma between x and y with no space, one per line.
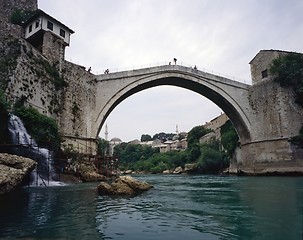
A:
[64,92]
[7,8]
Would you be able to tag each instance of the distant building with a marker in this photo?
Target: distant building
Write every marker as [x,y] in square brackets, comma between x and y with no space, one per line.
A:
[215,125]
[217,122]
[168,145]
[112,143]
[153,143]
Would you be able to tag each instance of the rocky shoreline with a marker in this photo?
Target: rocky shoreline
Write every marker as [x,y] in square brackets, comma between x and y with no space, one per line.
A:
[13,171]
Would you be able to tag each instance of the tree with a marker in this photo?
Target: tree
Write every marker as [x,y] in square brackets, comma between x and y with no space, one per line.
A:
[163,136]
[145,138]
[229,138]
[212,160]
[288,71]
[103,147]
[195,134]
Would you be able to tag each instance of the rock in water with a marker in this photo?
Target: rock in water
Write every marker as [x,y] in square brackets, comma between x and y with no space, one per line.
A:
[88,173]
[124,185]
[13,170]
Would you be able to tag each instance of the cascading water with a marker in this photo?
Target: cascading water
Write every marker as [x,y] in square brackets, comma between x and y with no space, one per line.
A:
[44,174]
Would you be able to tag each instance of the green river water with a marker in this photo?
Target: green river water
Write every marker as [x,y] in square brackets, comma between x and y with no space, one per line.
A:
[178,207]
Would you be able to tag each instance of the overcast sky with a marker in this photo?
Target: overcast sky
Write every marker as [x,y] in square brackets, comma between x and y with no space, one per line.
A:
[218,36]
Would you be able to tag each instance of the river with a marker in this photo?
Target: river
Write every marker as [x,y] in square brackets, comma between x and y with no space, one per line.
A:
[178,207]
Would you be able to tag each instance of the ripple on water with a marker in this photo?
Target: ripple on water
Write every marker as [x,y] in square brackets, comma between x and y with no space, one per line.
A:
[178,207]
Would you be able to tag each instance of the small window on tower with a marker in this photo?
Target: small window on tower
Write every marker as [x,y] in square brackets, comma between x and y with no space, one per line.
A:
[264,73]
[50,25]
[30,28]
[62,33]
[37,24]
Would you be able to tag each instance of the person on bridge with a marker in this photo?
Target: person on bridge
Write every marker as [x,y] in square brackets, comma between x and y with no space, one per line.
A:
[175,61]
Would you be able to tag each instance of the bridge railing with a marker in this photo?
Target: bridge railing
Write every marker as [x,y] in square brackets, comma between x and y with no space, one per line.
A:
[162,63]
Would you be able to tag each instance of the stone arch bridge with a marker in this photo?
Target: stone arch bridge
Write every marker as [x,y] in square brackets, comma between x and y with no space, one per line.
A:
[230,96]
[260,113]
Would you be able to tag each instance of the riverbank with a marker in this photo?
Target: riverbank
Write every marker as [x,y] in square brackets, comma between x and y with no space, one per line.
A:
[13,171]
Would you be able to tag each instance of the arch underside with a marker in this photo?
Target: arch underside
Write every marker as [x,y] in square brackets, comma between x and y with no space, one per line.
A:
[197,87]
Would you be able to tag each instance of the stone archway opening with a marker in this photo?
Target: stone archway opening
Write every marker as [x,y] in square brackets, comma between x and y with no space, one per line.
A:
[158,109]
[196,87]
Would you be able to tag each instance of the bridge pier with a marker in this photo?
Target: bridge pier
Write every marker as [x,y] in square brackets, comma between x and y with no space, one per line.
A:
[277,156]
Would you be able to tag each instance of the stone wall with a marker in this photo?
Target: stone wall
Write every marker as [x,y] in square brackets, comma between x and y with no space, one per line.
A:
[261,63]
[30,76]
[7,7]
[277,118]
[277,156]
[79,101]
[53,49]
[276,115]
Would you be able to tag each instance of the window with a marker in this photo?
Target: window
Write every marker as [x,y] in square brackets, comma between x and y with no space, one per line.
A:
[37,23]
[30,28]
[264,73]
[50,25]
[62,33]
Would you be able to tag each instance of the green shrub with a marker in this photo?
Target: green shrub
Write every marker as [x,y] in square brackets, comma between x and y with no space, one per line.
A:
[195,134]
[288,71]
[298,140]
[42,128]
[212,160]
[229,138]
[20,16]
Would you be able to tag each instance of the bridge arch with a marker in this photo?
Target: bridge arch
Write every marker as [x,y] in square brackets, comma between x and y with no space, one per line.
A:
[225,93]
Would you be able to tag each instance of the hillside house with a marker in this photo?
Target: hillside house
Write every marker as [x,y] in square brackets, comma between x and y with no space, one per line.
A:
[48,35]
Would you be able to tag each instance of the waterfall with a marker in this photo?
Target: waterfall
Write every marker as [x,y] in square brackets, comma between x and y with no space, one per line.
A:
[44,174]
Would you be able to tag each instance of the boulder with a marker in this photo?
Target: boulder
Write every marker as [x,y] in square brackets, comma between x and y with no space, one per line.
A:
[88,173]
[190,167]
[166,171]
[123,185]
[178,170]
[13,170]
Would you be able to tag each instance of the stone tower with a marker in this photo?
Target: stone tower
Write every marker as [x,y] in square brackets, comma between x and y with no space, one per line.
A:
[7,8]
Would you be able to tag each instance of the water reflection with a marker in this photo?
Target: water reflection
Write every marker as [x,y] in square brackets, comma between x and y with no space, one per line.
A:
[50,213]
[277,206]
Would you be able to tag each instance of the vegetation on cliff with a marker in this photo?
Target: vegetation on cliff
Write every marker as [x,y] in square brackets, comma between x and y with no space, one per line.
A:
[50,70]
[229,138]
[9,53]
[20,16]
[288,71]
[298,140]
[42,128]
